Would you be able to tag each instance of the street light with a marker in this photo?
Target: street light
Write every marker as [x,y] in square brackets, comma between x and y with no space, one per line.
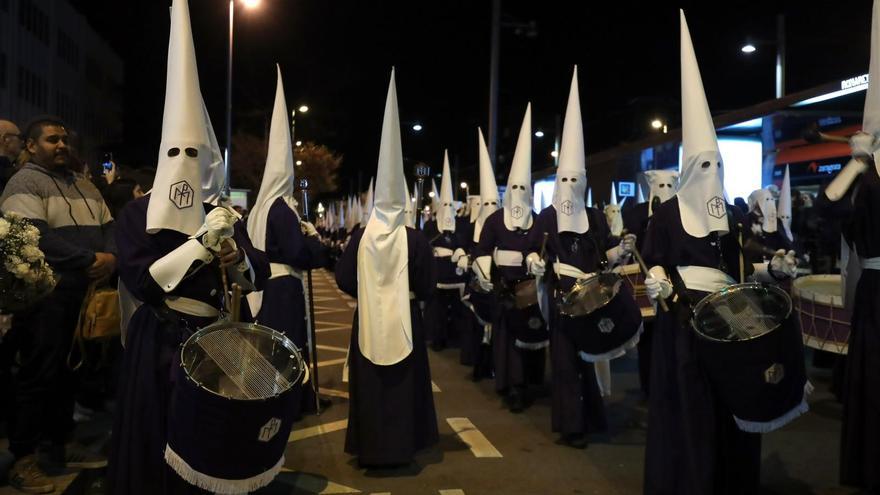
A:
[748,48]
[303,108]
[779,42]
[659,125]
[299,162]
[299,143]
[539,133]
[554,154]
[417,127]
[467,189]
[249,4]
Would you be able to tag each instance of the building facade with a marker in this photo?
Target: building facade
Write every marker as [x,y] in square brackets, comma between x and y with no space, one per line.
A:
[53,62]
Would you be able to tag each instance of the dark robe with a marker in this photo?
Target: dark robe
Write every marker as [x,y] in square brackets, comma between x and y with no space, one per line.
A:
[284,307]
[476,345]
[447,320]
[152,345]
[391,408]
[693,445]
[577,406]
[515,365]
[635,221]
[859,212]
[775,240]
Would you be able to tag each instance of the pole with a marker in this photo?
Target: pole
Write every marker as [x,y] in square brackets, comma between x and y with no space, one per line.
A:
[304,185]
[421,172]
[780,55]
[493,78]
[229,98]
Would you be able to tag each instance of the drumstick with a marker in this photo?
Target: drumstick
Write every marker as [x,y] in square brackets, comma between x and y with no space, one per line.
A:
[742,263]
[544,245]
[644,267]
[225,278]
[236,302]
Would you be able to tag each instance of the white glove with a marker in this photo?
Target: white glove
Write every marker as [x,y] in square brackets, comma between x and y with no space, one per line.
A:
[486,285]
[627,244]
[657,287]
[461,265]
[457,255]
[535,265]
[862,144]
[783,262]
[218,226]
[308,229]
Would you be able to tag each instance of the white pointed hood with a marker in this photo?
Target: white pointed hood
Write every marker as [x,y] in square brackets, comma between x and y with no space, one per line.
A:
[489,200]
[409,209]
[783,209]
[871,116]
[384,322]
[473,202]
[518,195]
[590,197]
[278,175]
[613,215]
[368,204]
[641,195]
[571,175]
[662,184]
[445,208]
[184,153]
[761,202]
[701,193]
[214,179]
[435,199]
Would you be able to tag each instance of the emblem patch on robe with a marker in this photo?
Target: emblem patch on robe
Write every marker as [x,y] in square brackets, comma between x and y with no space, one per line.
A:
[774,374]
[269,430]
[181,194]
[516,212]
[606,325]
[567,207]
[716,207]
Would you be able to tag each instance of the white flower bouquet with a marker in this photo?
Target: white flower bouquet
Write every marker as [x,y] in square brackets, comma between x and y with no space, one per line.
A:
[25,277]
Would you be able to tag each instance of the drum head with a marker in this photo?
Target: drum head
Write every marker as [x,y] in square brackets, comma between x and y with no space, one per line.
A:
[741,312]
[242,361]
[589,294]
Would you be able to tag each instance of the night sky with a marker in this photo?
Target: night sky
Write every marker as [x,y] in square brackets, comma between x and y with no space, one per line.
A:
[336,56]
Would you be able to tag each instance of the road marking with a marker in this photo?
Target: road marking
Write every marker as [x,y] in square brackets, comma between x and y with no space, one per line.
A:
[338,326]
[330,362]
[434,387]
[314,431]
[452,492]
[324,311]
[331,348]
[334,393]
[469,434]
[309,483]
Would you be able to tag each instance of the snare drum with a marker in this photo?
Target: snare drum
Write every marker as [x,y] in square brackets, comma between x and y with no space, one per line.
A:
[589,294]
[635,278]
[525,293]
[825,322]
[606,331]
[232,407]
[753,354]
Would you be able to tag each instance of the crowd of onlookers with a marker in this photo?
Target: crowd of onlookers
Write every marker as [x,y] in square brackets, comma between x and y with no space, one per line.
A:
[72,203]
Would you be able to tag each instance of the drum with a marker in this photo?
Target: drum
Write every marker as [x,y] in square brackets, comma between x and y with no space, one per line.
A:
[825,322]
[525,293]
[232,406]
[589,294]
[605,332]
[635,278]
[752,354]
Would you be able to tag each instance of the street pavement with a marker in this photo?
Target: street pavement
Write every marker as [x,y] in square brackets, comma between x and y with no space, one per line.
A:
[485,449]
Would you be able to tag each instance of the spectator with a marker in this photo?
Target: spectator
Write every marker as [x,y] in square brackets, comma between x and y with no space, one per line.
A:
[10,148]
[76,237]
[119,193]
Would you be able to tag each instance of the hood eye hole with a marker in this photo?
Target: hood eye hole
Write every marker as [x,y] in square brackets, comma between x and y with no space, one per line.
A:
[565,179]
[706,165]
[191,152]
[173,152]
[574,179]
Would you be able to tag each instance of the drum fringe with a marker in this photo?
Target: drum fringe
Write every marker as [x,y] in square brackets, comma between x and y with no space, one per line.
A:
[768,426]
[616,353]
[220,485]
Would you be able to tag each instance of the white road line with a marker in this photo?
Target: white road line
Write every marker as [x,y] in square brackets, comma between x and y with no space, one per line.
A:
[314,431]
[434,387]
[331,348]
[452,492]
[333,329]
[335,393]
[330,362]
[469,434]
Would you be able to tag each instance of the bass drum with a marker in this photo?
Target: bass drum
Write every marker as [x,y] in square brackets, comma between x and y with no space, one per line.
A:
[232,406]
[753,354]
[607,332]
[825,322]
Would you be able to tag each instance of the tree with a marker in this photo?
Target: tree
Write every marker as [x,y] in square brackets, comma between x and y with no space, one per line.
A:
[319,164]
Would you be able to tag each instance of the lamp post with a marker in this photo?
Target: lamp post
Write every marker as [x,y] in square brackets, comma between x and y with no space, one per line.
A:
[779,42]
[421,172]
[467,190]
[302,109]
[250,4]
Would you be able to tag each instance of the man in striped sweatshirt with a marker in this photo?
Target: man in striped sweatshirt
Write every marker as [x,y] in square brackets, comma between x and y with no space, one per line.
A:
[77,238]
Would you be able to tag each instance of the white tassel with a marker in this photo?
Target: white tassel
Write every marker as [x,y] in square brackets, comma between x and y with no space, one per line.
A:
[773,425]
[531,346]
[219,485]
[615,353]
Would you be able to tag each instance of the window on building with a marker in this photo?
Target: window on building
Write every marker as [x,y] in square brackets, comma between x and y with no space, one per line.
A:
[67,49]
[33,19]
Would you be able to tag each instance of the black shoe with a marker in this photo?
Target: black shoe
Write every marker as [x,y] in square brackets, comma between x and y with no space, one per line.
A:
[516,400]
[74,455]
[575,440]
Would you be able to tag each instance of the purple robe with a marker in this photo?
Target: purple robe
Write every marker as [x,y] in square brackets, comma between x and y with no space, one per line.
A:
[391,408]
[447,320]
[146,387]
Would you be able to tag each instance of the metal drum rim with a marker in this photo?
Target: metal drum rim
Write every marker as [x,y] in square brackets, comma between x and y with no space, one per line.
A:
[736,288]
[579,282]
[285,340]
